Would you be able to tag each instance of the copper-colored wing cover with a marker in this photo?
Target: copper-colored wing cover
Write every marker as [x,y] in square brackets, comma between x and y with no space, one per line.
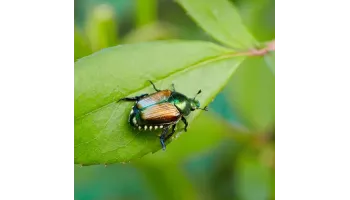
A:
[155,98]
[160,113]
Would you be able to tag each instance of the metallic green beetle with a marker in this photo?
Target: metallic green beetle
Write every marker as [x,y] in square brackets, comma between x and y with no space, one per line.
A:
[162,109]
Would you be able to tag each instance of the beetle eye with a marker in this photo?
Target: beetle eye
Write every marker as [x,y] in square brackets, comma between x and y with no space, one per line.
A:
[197,104]
[193,106]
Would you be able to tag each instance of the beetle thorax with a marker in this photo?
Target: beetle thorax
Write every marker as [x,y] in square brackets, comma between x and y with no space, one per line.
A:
[181,102]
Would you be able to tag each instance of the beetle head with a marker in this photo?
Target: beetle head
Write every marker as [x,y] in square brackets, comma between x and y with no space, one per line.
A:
[195,105]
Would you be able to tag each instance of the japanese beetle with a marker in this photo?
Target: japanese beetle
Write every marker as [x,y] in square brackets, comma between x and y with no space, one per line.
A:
[162,109]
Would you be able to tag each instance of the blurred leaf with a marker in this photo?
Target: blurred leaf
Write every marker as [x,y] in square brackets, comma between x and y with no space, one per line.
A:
[270,61]
[259,17]
[221,20]
[167,181]
[81,46]
[150,32]
[252,93]
[111,182]
[211,171]
[171,12]
[223,107]
[102,133]
[101,27]
[252,178]
[123,9]
[146,12]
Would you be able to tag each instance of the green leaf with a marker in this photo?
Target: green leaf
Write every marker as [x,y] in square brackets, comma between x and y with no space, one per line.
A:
[111,182]
[221,20]
[252,93]
[167,181]
[259,17]
[102,27]
[253,178]
[150,32]
[270,61]
[81,46]
[102,133]
[146,12]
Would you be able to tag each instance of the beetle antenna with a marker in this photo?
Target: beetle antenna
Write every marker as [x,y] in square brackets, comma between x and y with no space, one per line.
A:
[197,94]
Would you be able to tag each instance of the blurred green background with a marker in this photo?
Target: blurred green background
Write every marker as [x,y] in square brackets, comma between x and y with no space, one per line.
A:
[228,153]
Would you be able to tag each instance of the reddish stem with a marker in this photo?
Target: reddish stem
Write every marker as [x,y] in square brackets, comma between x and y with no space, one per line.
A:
[270,46]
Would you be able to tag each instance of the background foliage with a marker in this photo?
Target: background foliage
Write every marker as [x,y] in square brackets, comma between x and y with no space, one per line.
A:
[228,153]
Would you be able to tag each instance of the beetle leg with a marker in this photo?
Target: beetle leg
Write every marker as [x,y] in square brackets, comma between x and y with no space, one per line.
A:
[132,98]
[162,137]
[154,86]
[173,87]
[185,122]
[172,132]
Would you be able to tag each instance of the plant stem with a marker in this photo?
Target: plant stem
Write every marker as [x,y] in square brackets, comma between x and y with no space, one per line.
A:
[146,12]
[270,46]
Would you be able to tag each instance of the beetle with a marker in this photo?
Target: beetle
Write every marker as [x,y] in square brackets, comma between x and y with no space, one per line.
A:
[162,109]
